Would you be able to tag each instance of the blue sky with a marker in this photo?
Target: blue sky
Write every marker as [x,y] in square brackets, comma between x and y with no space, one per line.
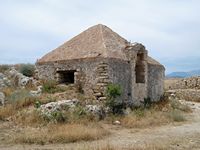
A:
[170,29]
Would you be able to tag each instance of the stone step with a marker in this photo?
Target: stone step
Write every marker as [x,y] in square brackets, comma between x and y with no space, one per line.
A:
[98,94]
[102,98]
[103,77]
[101,84]
[102,65]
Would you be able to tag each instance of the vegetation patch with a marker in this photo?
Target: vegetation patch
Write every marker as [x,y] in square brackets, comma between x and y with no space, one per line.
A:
[51,86]
[4,68]
[113,91]
[60,133]
[27,69]
[176,115]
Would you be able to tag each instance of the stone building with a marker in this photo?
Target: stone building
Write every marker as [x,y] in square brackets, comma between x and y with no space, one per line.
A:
[99,56]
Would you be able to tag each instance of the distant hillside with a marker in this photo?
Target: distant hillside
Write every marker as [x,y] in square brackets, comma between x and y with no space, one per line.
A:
[184,74]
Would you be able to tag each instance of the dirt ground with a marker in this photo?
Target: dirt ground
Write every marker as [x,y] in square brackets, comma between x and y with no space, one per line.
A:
[173,136]
[170,81]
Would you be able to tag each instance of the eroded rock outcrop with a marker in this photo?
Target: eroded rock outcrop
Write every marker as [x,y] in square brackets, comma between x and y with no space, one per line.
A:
[4,81]
[19,79]
[2,98]
[51,108]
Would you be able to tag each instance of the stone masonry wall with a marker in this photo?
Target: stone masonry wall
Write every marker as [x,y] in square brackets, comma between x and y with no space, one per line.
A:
[120,73]
[85,72]
[99,89]
[138,90]
[187,83]
[93,75]
[187,89]
[155,82]
[188,94]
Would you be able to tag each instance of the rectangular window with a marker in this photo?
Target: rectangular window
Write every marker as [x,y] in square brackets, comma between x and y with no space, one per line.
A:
[66,76]
[140,69]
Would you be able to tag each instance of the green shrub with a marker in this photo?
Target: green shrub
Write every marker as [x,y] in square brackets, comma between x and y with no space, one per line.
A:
[27,70]
[58,116]
[37,104]
[139,112]
[21,98]
[49,86]
[113,91]
[18,95]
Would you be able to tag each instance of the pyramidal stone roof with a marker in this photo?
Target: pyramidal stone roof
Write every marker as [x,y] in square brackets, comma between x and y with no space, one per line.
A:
[97,41]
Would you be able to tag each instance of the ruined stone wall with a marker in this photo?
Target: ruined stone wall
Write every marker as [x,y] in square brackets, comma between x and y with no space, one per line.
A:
[120,73]
[187,89]
[99,89]
[138,89]
[155,87]
[86,71]
[188,94]
[94,75]
[187,83]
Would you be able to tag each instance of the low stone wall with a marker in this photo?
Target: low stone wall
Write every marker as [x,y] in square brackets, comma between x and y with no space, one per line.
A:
[186,94]
[187,83]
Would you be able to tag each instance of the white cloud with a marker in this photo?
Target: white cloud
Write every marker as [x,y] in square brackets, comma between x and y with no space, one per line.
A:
[168,28]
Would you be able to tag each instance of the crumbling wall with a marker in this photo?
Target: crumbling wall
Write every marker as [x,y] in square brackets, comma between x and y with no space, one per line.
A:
[85,75]
[99,88]
[120,73]
[137,58]
[187,83]
[188,94]
[155,86]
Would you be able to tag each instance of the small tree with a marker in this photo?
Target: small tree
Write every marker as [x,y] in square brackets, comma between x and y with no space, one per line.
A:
[27,70]
[113,91]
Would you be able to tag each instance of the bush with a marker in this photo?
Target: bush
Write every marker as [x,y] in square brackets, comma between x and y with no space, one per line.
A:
[37,104]
[27,70]
[49,86]
[21,98]
[113,91]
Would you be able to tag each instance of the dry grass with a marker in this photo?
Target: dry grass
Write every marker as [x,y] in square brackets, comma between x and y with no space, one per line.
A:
[108,146]
[8,91]
[175,104]
[176,115]
[150,118]
[7,111]
[16,101]
[161,113]
[169,82]
[29,117]
[60,133]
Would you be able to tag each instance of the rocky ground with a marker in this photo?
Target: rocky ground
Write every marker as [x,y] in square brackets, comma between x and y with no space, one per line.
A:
[172,136]
[166,135]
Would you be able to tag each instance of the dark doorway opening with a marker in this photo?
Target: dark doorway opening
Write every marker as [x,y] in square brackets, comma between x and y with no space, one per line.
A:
[66,77]
[140,69]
